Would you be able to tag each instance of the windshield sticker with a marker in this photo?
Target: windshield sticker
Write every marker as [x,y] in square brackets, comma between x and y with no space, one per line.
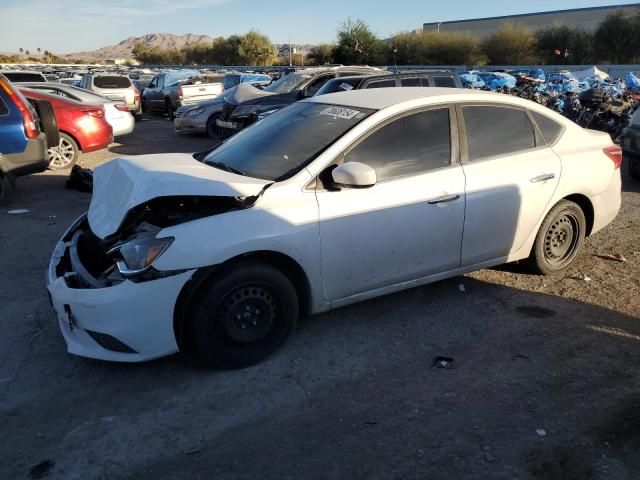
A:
[346,86]
[340,112]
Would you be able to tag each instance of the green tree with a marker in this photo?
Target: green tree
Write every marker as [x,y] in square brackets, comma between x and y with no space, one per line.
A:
[321,54]
[226,51]
[510,45]
[256,49]
[564,45]
[357,44]
[616,38]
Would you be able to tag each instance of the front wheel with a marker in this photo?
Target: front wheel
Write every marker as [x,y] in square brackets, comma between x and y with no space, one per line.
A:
[65,155]
[559,239]
[243,315]
[213,131]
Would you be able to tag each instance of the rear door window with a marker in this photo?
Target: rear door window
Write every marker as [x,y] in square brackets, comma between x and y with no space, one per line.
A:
[497,131]
[448,82]
[111,82]
[382,83]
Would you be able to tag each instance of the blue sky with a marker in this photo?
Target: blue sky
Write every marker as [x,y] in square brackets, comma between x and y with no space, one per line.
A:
[65,26]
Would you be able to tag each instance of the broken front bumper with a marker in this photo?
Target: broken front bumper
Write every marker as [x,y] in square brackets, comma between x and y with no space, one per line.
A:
[126,322]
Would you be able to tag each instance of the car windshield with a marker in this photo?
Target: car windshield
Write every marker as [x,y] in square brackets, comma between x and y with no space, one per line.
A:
[281,144]
[111,82]
[288,83]
[339,85]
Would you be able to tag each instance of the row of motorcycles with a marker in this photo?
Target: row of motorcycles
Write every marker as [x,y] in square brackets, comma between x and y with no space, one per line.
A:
[604,106]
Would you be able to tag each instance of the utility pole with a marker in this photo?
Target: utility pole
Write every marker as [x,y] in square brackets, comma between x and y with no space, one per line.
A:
[290,53]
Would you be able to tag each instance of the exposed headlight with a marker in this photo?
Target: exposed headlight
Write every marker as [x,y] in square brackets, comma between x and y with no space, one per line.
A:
[194,112]
[245,111]
[138,254]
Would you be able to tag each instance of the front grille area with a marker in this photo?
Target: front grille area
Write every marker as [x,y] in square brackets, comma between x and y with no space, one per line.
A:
[226,111]
[110,343]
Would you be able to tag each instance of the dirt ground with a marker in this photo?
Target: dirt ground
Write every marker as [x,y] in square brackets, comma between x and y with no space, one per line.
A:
[544,381]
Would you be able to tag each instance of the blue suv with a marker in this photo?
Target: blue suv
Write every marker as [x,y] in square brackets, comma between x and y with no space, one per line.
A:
[23,145]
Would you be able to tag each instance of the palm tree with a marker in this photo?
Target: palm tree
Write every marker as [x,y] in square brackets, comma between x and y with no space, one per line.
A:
[21,50]
[26,52]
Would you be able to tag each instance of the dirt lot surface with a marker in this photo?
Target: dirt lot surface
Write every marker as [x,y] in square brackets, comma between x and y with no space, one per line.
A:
[544,382]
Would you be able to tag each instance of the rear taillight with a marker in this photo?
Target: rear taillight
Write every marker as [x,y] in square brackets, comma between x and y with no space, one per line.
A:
[180,93]
[95,113]
[136,95]
[31,129]
[122,107]
[614,152]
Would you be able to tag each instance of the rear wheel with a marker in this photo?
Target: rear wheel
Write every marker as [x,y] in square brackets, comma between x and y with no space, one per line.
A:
[48,122]
[634,167]
[559,239]
[171,113]
[245,314]
[65,155]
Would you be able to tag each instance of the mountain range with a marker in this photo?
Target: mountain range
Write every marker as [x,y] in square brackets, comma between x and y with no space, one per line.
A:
[124,48]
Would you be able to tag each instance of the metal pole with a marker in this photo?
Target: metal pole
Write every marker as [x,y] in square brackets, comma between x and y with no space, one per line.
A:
[290,53]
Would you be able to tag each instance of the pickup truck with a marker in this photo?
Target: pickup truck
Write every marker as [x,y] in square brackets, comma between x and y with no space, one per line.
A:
[169,91]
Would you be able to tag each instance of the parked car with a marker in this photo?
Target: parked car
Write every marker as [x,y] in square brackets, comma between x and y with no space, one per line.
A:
[115,87]
[630,143]
[230,80]
[169,91]
[330,201]
[23,144]
[21,76]
[83,128]
[116,112]
[243,104]
[431,78]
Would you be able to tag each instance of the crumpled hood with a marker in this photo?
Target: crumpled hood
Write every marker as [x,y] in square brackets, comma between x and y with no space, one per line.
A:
[243,93]
[124,183]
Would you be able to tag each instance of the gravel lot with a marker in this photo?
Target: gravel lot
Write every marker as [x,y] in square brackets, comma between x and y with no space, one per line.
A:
[544,383]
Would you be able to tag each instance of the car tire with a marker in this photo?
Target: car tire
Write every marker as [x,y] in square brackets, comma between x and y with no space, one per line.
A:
[65,155]
[634,167]
[243,315]
[171,113]
[48,122]
[213,131]
[559,239]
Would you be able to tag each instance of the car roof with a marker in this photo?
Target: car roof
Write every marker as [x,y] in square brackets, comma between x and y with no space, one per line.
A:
[379,98]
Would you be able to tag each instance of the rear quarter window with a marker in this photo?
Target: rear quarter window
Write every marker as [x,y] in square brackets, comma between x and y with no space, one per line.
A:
[111,82]
[382,84]
[448,82]
[550,129]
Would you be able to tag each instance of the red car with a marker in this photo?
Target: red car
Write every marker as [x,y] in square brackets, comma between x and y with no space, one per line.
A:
[83,128]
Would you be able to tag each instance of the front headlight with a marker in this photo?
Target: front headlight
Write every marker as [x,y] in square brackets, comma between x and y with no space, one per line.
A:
[138,254]
[194,112]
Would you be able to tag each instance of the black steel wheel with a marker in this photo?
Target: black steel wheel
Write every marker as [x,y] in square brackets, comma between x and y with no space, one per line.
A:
[213,131]
[634,167]
[559,239]
[243,315]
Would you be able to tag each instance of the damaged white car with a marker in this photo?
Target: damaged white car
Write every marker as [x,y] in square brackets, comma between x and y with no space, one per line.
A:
[330,201]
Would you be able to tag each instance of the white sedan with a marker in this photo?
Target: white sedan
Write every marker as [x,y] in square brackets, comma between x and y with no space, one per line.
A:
[330,201]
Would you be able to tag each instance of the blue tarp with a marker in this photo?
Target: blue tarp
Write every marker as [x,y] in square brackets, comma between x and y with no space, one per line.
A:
[495,80]
[472,79]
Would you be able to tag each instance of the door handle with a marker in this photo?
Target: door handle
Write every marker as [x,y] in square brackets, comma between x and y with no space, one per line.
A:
[542,178]
[444,199]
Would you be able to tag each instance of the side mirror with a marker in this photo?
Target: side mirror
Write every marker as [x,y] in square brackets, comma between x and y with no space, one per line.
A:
[354,175]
